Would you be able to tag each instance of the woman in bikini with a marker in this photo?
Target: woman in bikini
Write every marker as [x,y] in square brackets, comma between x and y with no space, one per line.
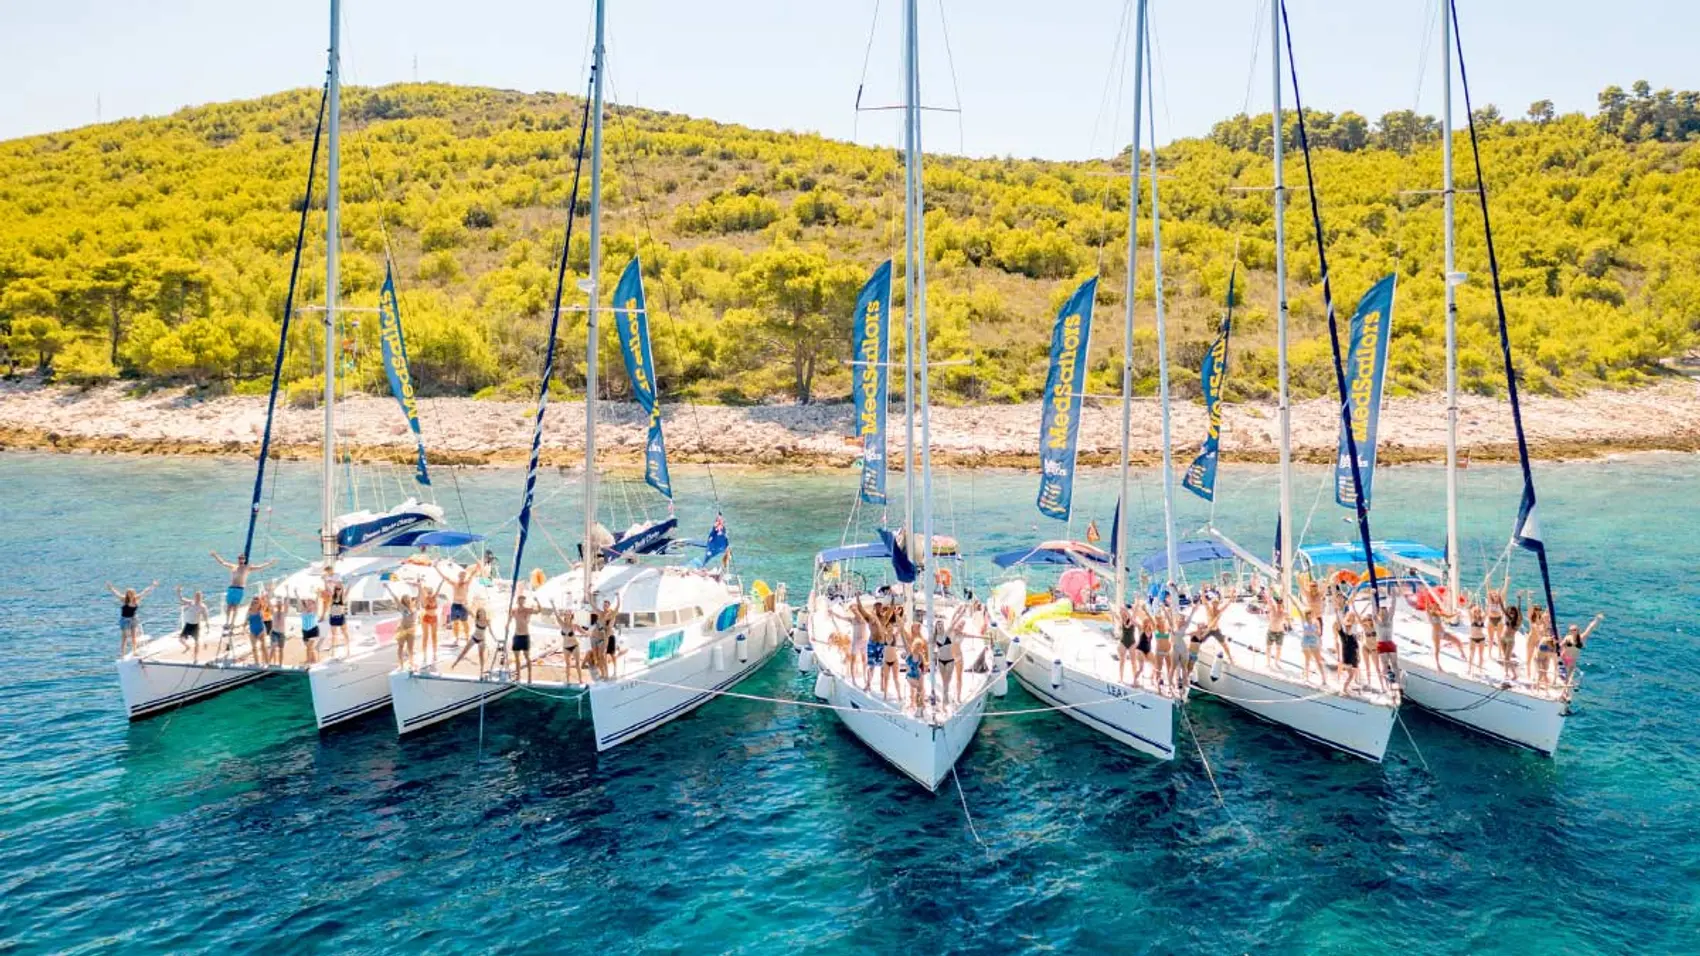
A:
[1438,633]
[1570,648]
[480,632]
[1478,639]
[129,605]
[1545,644]
[429,619]
[1154,631]
[338,603]
[566,620]
[1495,602]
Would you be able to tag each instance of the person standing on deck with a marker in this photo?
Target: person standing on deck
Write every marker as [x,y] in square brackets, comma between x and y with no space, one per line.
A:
[257,628]
[944,652]
[1276,635]
[1437,621]
[194,618]
[609,637]
[460,585]
[279,628]
[1210,630]
[1570,649]
[239,571]
[311,607]
[480,631]
[523,609]
[406,628]
[430,617]
[129,605]
[572,658]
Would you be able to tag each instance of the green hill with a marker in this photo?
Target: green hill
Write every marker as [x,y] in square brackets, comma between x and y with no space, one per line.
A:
[159,248]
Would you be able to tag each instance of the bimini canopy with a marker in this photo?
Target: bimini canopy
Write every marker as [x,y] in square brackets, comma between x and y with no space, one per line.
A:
[1352,552]
[866,551]
[1187,552]
[433,539]
[1054,552]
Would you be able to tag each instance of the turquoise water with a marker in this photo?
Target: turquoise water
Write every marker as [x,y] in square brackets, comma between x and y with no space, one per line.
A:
[233,825]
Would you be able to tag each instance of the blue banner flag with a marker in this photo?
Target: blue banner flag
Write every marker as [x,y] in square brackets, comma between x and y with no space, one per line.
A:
[870,350]
[1059,431]
[1200,476]
[631,321]
[394,347]
[1366,374]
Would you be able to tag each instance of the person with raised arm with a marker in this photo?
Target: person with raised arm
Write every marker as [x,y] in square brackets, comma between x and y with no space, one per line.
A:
[480,632]
[460,589]
[1570,648]
[1276,607]
[239,571]
[129,605]
[257,628]
[407,627]
[524,607]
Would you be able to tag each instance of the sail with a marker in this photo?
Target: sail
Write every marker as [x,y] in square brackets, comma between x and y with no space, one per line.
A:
[870,349]
[631,322]
[283,334]
[394,347]
[1200,478]
[1366,376]
[1059,434]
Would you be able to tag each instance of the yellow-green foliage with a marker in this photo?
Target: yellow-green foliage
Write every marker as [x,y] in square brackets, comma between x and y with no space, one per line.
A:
[160,248]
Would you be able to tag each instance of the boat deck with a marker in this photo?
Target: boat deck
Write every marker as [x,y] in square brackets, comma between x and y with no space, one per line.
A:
[1246,628]
[235,651]
[1416,646]
[1084,643]
[833,653]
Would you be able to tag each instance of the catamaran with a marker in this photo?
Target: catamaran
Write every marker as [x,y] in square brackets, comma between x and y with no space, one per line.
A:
[1066,652]
[1238,670]
[167,671]
[924,739]
[660,639]
[1503,702]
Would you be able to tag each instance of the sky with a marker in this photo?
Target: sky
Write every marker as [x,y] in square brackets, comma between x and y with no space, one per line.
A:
[1031,79]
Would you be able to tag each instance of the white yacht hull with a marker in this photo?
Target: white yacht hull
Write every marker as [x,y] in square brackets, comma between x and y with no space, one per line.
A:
[1503,713]
[1351,724]
[924,751]
[151,687]
[1137,718]
[421,699]
[625,709]
[348,689]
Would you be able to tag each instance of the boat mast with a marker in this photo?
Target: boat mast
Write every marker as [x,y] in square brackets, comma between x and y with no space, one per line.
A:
[327,493]
[911,178]
[918,267]
[1285,558]
[594,288]
[1122,536]
[1452,280]
[1171,546]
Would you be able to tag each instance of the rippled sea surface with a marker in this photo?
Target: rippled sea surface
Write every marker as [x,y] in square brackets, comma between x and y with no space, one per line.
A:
[761,827]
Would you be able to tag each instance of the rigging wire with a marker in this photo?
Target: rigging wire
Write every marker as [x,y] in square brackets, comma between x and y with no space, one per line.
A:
[867,54]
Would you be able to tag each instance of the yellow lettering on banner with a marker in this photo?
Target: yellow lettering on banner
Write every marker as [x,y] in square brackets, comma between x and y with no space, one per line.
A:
[392,338]
[1063,400]
[1363,384]
[869,354]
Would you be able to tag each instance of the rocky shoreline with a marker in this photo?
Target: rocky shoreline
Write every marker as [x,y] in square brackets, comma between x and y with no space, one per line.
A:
[464,431]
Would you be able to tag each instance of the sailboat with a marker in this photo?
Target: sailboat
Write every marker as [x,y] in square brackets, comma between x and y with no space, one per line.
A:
[1507,705]
[166,672]
[686,631]
[1272,686]
[1070,660]
[923,741]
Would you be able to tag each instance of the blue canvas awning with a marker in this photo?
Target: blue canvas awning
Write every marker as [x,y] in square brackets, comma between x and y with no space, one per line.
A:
[1054,552]
[1351,552]
[1187,552]
[433,539]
